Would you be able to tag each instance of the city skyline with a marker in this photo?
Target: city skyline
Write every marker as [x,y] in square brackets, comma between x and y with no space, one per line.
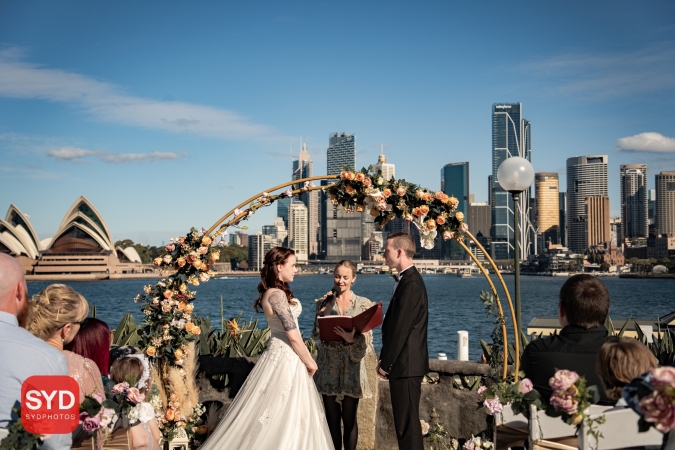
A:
[88,110]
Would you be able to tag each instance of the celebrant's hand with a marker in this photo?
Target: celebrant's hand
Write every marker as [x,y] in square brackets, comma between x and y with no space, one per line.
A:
[381,373]
[348,336]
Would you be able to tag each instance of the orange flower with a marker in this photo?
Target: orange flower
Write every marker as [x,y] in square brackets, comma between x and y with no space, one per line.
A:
[196,331]
[168,293]
[181,240]
[359,177]
[173,398]
[367,182]
[400,191]
[178,354]
[439,195]
[189,326]
[440,220]
[203,250]
[180,261]
[202,429]
[419,193]
[170,414]
[351,176]
[416,212]
[157,261]
[343,175]
[192,257]
[350,190]
[150,351]
[198,264]
[431,224]
[215,256]
[453,202]
[459,216]
[360,208]
[386,193]
[189,308]
[424,209]
[181,306]
[426,197]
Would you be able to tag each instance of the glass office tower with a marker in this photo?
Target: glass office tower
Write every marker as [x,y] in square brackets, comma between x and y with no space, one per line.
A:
[510,137]
[455,182]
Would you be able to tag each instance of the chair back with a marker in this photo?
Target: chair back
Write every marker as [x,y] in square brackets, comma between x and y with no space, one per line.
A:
[620,430]
[509,430]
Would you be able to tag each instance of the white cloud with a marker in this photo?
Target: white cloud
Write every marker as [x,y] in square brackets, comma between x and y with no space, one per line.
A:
[646,142]
[107,102]
[604,75]
[74,154]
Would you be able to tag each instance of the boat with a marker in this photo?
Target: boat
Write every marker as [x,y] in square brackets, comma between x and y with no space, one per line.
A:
[462,274]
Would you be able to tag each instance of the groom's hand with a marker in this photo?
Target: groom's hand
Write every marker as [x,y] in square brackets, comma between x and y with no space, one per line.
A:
[381,373]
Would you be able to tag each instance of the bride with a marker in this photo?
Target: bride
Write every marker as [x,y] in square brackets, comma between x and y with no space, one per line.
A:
[278,406]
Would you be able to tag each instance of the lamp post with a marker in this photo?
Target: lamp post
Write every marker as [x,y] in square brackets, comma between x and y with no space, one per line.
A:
[515,175]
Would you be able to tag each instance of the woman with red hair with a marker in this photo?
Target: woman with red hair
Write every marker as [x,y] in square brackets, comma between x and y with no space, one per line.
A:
[93,342]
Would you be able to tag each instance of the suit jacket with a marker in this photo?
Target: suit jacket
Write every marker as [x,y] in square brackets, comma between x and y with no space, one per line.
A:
[404,330]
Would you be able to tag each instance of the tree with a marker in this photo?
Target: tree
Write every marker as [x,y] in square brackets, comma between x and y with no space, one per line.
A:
[605,266]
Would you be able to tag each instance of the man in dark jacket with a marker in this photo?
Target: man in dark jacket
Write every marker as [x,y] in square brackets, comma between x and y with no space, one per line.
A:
[582,309]
[404,359]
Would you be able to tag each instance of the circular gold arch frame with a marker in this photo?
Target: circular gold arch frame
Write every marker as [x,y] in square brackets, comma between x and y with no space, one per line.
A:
[260,200]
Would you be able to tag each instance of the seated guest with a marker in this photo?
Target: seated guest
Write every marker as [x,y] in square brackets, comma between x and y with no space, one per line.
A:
[55,316]
[582,309]
[93,342]
[22,354]
[620,360]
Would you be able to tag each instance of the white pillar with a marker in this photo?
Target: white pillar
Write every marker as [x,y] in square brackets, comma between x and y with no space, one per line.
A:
[462,345]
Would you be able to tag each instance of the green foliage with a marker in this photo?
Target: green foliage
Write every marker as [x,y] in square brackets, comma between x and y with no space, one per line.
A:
[467,382]
[662,345]
[237,338]
[233,252]
[18,438]
[609,325]
[126,332]
[146,252]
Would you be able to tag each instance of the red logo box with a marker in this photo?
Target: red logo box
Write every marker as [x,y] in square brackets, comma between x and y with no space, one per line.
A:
[50,404]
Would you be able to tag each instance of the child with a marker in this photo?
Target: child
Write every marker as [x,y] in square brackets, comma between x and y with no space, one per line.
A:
[619,361]
[135,370]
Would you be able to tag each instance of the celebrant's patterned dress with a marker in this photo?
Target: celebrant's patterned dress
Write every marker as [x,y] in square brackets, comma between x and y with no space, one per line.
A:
[342,370]
[278,406]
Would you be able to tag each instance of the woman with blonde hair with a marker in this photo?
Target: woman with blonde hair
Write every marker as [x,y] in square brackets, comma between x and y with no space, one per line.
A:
[55,316]
[342,378]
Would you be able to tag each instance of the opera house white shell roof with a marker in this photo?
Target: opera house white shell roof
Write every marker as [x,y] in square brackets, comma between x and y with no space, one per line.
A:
[82,230]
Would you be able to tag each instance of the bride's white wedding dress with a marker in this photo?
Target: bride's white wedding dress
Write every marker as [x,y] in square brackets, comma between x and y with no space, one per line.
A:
[278,406]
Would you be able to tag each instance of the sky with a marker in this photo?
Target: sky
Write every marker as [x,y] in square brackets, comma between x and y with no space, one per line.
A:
[166,115]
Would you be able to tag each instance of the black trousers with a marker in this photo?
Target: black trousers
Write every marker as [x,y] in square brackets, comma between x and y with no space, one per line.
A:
[405,403]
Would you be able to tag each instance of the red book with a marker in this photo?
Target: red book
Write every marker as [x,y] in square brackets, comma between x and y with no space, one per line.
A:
[364,322]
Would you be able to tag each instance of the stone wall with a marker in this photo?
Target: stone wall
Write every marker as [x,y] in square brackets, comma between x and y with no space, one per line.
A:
[457,408]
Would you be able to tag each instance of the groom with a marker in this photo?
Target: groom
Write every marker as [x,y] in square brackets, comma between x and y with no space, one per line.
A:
[404,359]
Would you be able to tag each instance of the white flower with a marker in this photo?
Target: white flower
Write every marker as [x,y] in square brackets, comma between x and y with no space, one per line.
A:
[425,427]
[133,414]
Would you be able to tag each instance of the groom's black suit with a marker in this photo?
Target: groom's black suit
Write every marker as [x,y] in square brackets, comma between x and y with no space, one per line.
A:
[405,356]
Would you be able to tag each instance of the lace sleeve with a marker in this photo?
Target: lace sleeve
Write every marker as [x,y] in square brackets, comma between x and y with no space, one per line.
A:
[279,304]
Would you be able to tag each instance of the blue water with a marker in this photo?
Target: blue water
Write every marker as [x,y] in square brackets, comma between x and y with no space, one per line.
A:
[454,302]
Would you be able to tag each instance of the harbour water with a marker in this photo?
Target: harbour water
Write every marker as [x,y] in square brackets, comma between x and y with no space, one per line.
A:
[454,302]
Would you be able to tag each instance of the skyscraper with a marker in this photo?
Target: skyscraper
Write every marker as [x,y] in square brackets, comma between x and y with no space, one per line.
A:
[634,203]
[277,230]
[303,168]
[282,209]
[455,182]
[665,203]
[297,231]
[510,137]
[258,246]
[562,204]
[586,177]
[597,220]
[388,170]
[341,231]
[548,206]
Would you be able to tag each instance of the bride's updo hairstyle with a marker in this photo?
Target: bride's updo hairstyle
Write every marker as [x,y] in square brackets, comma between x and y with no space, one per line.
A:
[53,307]
[277,256]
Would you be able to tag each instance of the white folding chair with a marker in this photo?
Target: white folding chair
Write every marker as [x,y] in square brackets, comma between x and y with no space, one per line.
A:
[620,430]
[4,432]
[551,432]
[510,429]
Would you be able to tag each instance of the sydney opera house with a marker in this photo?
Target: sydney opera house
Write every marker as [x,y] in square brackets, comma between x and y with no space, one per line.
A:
[82,246]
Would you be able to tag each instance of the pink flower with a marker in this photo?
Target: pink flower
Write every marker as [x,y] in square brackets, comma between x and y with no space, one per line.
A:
[89,423]
[97,397]
[562,380]
[565,401]
[663,376]
[288,192]
[480,391]
[134,395]
[170,247]
[107,416]
[120,388]
[525,386]
[492,406]
[237,212]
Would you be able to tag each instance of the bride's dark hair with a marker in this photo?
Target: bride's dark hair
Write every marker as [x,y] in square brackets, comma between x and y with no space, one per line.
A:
[277,256]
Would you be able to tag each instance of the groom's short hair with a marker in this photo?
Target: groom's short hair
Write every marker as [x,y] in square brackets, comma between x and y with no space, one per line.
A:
[404,242]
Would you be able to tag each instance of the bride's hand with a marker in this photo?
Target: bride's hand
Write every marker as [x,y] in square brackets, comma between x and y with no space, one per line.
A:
[312,368]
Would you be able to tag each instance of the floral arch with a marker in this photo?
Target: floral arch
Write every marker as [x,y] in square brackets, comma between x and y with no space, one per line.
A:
[169,329]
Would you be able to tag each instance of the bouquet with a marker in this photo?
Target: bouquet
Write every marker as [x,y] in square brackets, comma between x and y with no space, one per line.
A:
[126,401]
[571,399]
[519,395]
[652,396]
[95,416]
[477,443]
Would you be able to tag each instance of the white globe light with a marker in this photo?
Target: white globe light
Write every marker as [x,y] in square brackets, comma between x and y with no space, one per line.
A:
[515,174]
